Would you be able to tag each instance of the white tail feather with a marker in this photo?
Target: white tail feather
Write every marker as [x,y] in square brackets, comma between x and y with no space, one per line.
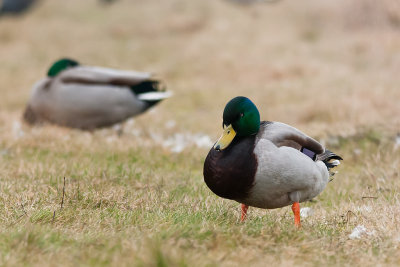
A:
[335,162]
[151,96]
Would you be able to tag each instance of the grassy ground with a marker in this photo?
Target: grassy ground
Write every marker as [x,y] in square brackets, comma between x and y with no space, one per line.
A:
[131,200]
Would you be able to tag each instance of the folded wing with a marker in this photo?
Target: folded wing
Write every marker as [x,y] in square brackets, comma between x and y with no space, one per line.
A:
[284,135]
[98,75]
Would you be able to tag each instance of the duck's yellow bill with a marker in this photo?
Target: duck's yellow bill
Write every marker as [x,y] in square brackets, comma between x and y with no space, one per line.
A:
[226,138]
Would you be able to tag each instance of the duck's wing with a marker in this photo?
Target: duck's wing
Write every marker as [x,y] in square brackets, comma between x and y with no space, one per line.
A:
[98,75]
[282,134]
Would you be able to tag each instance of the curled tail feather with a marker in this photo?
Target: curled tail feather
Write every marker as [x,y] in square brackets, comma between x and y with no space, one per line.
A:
[330,159]
[150,91]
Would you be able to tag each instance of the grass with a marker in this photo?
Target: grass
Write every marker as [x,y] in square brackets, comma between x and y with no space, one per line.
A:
[129,200]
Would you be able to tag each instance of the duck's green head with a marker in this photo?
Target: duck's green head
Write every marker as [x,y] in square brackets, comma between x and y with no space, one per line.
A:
[241,118]
[61,65]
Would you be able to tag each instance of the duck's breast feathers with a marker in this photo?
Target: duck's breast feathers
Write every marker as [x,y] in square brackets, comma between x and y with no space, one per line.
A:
[281,134]
[230,173]
[43,84]
[98,75]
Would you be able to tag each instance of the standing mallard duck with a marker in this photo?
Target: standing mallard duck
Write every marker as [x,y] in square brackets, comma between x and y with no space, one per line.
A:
[265,164]
[91,97]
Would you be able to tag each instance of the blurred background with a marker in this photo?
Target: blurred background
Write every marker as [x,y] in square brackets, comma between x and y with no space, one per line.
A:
[323,66]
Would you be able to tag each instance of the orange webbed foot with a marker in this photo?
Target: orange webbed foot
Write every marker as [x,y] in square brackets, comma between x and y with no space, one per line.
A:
[244,212]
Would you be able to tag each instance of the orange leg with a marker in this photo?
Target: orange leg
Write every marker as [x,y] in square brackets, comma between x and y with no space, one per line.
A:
[244,212]
[296,211]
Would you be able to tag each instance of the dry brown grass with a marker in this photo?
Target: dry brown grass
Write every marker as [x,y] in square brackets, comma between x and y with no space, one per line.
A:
[131,201]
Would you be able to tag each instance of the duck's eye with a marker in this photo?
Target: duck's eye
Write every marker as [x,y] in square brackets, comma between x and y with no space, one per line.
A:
[229,132]
[241,114]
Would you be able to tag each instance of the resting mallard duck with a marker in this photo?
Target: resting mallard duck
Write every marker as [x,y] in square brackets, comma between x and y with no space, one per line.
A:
[265,164]
[91,97]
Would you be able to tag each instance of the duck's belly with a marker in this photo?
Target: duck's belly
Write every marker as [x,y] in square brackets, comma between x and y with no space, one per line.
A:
[282,173]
